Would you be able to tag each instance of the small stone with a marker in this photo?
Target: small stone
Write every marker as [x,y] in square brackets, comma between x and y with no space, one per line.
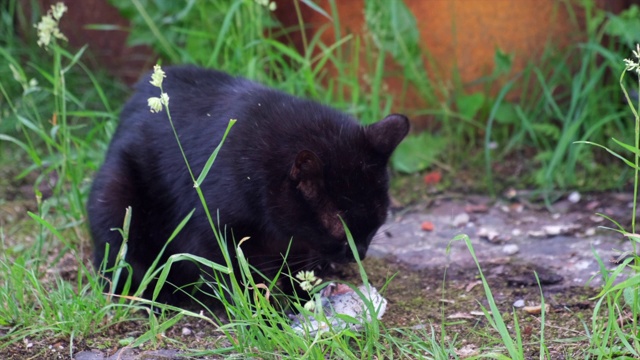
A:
[533,310]
[590,232]
[596,218]
[592,205]
[518,303]
[516,232]
[556,216]
[582,265]
[489,234]
[510,193]
[159,355]
[460,219]
[574,197]
[510,249]
[537,233]
[552,230]
[186,331]
[89,355]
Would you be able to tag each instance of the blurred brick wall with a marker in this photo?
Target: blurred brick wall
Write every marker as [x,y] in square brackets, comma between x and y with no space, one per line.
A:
[462,32]
[106,48]
[461,37]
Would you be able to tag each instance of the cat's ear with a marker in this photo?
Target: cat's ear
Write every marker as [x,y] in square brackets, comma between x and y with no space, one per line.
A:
[307,172]
[385,135]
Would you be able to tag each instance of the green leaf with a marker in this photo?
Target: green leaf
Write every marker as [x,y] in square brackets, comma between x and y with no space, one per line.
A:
[316,8]
[503,62]
[625,26]
[506,113]
[417,152]
[631,148]
[629,295]
[213,156]
[629,163]
[386,20]
[470,105]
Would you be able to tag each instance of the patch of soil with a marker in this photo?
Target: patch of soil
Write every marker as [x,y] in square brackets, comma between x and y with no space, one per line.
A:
[428,280]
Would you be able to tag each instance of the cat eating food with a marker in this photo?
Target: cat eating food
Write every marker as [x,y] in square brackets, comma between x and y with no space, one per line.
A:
[286,176]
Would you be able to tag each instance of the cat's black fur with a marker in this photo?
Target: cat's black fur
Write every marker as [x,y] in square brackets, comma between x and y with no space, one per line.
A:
[289,169]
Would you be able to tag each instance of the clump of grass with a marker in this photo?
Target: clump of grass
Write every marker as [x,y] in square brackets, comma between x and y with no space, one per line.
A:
[57,129]
[615,332]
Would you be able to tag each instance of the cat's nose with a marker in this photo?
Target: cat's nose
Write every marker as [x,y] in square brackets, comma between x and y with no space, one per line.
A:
[362,253]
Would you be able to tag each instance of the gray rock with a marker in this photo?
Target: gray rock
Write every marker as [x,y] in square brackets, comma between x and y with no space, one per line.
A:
[460,219]
[124,354]
[89,355]
[159,355]
[510,249]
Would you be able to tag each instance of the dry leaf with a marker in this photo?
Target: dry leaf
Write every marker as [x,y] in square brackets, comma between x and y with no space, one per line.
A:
[460,315]
[479,208]
[470,286]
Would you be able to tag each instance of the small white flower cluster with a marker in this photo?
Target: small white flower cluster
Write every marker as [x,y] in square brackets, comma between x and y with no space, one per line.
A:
[27,85]
[48,25]
[271,5]
[156,103]
[308,280]
[633,65]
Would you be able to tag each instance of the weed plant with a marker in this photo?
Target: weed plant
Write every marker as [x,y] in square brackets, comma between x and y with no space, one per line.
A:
[62,129]
[615,319]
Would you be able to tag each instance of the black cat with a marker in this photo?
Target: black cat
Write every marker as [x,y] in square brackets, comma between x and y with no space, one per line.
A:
[287,172]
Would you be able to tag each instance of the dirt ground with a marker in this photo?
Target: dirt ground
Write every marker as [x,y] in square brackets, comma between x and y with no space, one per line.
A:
[434,282]
[558,244]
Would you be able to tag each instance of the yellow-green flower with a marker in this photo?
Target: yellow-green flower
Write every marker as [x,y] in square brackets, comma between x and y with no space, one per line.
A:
[310,305]
[48,25]
[155,104]
[271,5]
[157,76]
[308,280]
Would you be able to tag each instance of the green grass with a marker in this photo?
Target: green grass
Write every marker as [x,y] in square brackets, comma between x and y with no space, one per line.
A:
[60,128]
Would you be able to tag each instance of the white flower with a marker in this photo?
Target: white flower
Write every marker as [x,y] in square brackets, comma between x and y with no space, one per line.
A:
[271,5]
[307,280]
[631,65]
[58,9]
[157,76]
[155,104]
[48,25]
[17,75]
[310,305]
[21,78]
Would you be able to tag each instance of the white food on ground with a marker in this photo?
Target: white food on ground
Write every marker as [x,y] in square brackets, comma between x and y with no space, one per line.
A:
[338,301]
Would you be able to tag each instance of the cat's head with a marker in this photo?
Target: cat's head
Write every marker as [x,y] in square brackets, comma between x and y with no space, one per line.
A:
[347,183]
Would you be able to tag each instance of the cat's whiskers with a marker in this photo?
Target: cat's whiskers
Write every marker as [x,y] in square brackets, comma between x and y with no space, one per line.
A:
[383,235]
